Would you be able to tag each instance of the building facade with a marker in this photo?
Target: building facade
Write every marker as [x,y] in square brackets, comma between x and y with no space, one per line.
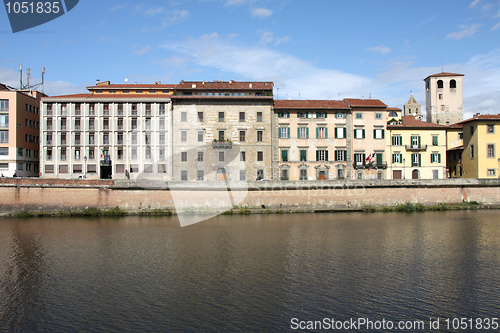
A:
[312,139]
[413,108]
[481,146]
[444,98]
[222,131]
[19,132]
[416,149]
[115,131]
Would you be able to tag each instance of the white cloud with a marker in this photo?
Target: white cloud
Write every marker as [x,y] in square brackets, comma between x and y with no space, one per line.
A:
[381,49]
[141,50]
[152,11]
[474,3]
[261,12]
[496,26]
[467,31]
[266,37]
[175,16]
[117,8]
[235,2]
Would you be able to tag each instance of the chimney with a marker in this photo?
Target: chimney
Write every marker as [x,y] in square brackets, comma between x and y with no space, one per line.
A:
[97,82]
[193,85]
[250,85]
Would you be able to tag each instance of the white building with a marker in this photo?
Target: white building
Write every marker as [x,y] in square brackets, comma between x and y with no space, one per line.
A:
[444,98]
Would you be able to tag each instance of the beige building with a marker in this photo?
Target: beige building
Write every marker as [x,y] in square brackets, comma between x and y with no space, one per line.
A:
[19,132]
[223,131]
[416,149]
[114,131]
[413,108]
[444,98]
[312,139]
[481,146]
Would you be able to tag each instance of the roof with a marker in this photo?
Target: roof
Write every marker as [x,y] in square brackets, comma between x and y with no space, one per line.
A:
[412,122]
[353,102]
[135,86]
[310,104]
[494,117]
[456,126]
[393,109]
[456,148]
[224,85]
[443,74]
[412,100]
[109,96]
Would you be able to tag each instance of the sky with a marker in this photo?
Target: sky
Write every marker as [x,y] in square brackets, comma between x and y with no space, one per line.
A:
[317,49]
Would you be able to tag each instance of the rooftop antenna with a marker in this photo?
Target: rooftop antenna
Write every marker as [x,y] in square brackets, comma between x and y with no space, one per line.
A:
[442,66]
[27,86]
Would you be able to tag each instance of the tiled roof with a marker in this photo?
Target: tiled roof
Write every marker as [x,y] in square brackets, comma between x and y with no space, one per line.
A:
[393,109]
[353,102]
[224,85]
[412,122]
[135,86]
[310,104]
[443,74]
[457,126]
[222,97]
[495,117]
[109,96]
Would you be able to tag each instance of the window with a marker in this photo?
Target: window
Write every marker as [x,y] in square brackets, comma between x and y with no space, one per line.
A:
[4,136]
[284,133]
[260,156]
[440,96]
[105,108]
[120,109]
[378,133]
[221,116]
[105,138]
[91,124]
[133,153]
[321,155]
[453,84]
[471,130]
[77,154]
[397,158]
[134,109]
[148,153]
[199,157]
[472,151]
[434,140]
[260,135]
[259,116]
[435,158]
[378,115]
[340,133]
[303,155]
[340,155]
[184,156]
[242,136]
[184,175]
[183,136]
[396,140]
[260,174]
[200,136]
[491,150]
[242,116]
[359,115]
[4,105]
[148,109]
[242,156]
[490,128]
[359,159]
[440,84]
[200,116]
[200,174]
[63,138]
[105,124]
[63,124]
[77,138]
[359,133]
[415,141]
[221,156]
[321,133]
[4,120]
[221,135]
[340,115]
[284,155]
[284,174]
[303,174]
[393,114]
[302,115]
[4,151]
[321,115]
[283,115]
[183,116]
[63,154]
[491,172]
[303,132]
[20,152]
[416,159]
[243,175]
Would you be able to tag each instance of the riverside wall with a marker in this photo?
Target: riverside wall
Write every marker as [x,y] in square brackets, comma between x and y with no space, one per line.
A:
[57,194]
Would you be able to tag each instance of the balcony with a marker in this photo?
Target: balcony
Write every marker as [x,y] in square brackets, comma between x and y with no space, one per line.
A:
[373,165]
[416,147]
[222,145]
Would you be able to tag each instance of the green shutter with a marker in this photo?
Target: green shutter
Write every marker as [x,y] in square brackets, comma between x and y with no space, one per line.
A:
[345,132]
[326,132]
[317,114]
[288,132]
[383,134]
[439,158]
[419,142]
[363,133]
[419,159]
[393,142]
[374,133]
[279,132]
[298,132]
[336,156]
[379,158]
[284,155]
[326,114]
[326,155]
[317,132]
[303,155]
[317,155]
[335,130]
[393,158]
[364,159]
[307,132]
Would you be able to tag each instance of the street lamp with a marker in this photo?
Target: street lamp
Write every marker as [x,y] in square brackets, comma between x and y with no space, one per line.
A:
[404,168]
[85,167]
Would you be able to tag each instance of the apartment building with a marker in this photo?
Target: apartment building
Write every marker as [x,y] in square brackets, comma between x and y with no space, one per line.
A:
[222,131]
[369,121]
[481,151]
[312,139]
[416,149]
[114,131]
[19,132]
[454,150]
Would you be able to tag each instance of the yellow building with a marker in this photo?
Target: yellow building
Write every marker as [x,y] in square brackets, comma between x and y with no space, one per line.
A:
[454,150]
[481,153]
[416,149]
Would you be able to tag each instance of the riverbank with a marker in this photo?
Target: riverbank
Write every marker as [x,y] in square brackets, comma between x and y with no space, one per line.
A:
[52,197]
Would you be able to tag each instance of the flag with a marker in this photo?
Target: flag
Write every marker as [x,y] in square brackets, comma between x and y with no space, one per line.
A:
[370,158]
[102,154]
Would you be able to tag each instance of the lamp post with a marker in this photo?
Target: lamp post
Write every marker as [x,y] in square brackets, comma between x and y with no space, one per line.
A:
[404,168]
[85,167]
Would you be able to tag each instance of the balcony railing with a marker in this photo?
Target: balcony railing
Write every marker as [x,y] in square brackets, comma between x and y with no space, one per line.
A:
[373,165]
[416,147]
[222,145]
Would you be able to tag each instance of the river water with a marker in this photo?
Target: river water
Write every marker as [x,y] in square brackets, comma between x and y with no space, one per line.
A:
[247,273]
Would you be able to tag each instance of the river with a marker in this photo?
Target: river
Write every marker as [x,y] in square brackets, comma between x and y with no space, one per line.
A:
[248,273]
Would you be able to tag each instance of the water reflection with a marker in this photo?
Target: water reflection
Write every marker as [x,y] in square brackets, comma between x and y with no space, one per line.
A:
[242,273]
[21,285]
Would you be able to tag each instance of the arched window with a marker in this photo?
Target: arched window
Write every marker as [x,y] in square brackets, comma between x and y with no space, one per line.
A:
[453,84]
[393,114]
[440,84]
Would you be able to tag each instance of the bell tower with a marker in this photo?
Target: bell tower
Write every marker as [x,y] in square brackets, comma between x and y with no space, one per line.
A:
[444,98]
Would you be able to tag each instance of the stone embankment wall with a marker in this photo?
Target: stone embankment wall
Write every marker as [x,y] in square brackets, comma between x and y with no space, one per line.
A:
[56,194]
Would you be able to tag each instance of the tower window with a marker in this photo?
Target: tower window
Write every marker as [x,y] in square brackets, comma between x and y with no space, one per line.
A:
[453,84]
[440,84]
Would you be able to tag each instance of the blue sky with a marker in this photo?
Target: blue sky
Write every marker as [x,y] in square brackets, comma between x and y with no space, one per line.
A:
[324,49]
